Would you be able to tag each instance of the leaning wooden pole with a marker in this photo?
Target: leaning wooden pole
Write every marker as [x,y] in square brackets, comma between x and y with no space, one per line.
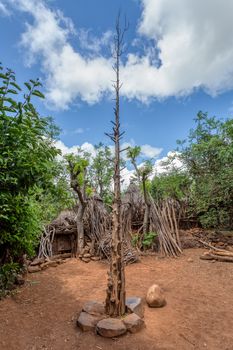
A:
[115,299]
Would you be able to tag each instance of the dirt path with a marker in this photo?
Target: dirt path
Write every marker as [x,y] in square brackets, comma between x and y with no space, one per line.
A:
[198,315]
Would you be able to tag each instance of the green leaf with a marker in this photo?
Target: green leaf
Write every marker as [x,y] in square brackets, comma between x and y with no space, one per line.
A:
[8,109]
[28,86]
[3,76]
[11,91]
[15,85]
[38,94]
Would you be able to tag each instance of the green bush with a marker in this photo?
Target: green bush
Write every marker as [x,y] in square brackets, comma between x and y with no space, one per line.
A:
[8,273]
[148,239]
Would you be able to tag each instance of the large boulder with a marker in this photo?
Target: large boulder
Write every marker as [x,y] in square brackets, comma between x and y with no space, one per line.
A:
[93,307]
[155,296]
[88,322]
[133,323]
[110,327]
[135,305]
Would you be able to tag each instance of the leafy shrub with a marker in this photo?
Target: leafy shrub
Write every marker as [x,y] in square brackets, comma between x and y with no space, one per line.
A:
[8,273]
[29,172]
[149,239]
[135,240]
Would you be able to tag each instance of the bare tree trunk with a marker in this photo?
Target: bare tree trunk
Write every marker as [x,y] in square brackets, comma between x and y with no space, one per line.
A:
[115,299]
[81,192]
[80,229]
[146,220]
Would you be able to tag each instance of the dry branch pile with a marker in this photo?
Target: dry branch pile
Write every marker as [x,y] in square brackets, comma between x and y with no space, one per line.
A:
[164,222]
[130,254]
[216,253]
[164,219]
[97,227]
[132,211]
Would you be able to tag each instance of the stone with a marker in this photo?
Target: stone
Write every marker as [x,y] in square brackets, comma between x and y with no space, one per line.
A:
[95,258]
[220,244]
[33,269]
[93,307]
[111,327]
[135,305]
[133,323]
[86,260]
[44,265]
[19,280]
[37,261]
[88,322]
[48,264]
[155,296]
[86,255]
[189,260]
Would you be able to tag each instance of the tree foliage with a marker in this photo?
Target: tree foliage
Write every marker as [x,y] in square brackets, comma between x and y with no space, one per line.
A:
[207,155]
[173,184]
[27,166]
[142,174]
[101,172]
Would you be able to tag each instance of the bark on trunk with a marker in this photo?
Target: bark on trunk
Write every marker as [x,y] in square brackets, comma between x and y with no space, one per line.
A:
[115,299]
[146,220]
[80,229]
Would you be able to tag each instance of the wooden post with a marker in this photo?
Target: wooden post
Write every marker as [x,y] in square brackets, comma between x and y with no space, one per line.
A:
[115,299]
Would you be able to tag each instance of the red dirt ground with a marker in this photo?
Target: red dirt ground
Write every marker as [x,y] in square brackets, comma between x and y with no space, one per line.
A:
[198,314]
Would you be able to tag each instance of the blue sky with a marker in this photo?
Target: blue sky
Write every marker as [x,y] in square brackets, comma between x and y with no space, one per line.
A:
[179,60]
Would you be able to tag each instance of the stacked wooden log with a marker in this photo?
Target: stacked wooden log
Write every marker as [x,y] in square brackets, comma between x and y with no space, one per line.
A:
[164,223]
[216,254]
[130,254]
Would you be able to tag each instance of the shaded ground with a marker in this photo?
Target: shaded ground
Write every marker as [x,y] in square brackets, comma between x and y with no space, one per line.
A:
[198,315]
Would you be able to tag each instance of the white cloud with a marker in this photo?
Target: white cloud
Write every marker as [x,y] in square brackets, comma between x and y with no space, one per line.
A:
[160,166]
[69,75]
[92,43]
[86,146]
[4,11]
[78,131]
[193,41]
[150,152]
[126,173]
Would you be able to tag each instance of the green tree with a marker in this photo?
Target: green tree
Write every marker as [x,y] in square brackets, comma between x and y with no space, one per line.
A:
[207,155]
[26,165]
[78,165]
[101,172]
[143,172]
[174,184]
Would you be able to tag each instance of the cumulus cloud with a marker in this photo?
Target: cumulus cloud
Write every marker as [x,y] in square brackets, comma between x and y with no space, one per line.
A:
[88,41]
[78,131]
[150,152]
[188,45]
[86,146]
[162,165]
[4,11]
[69,74]
[195,43]
[127,173]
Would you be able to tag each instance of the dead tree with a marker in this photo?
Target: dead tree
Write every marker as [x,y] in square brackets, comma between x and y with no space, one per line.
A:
[115,299]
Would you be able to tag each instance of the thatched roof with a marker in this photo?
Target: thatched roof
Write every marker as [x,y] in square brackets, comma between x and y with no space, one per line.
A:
[65,218]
